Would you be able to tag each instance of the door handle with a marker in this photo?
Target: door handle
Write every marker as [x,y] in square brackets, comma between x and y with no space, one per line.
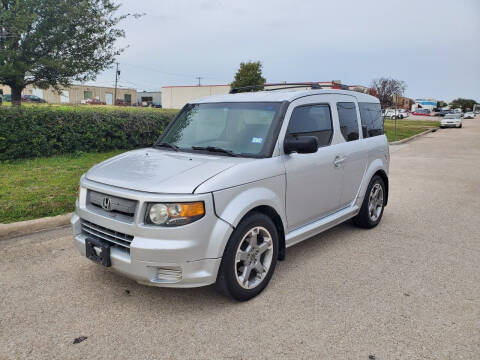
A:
[338,161]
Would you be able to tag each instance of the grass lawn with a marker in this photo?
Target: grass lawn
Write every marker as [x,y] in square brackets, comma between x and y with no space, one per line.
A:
[407,128]
[31,189]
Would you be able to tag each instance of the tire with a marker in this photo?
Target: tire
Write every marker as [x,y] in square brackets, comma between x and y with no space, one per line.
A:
[460,126]
[369,218]
[241,256]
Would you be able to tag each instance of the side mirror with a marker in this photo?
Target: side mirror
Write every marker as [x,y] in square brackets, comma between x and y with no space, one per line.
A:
[301,145]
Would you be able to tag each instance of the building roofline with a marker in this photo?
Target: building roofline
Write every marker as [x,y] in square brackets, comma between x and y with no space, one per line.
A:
[266,84]
[99,86]
[195,86]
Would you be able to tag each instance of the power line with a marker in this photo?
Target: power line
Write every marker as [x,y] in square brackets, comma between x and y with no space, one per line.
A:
[168,73]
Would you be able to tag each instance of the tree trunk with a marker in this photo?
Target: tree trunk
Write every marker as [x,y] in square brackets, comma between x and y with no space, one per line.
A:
[16,95]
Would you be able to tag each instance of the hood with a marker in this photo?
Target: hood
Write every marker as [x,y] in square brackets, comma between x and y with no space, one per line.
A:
[160,171]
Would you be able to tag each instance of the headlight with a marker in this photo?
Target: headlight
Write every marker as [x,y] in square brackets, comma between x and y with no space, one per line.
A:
[174,214]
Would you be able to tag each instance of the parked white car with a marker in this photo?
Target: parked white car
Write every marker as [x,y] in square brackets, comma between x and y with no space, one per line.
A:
[469,115]
[396,113]
[232,182]
[451,120]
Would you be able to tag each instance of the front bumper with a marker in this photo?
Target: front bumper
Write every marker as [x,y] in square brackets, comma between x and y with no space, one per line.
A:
[450,124]
[184,256]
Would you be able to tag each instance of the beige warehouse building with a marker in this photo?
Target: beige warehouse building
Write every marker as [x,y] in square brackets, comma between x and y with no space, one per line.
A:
[78,94]
[175,97]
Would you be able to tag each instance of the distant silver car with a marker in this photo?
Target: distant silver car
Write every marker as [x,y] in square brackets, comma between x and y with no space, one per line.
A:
[396,113]
[451,120]
[233,181]
[469,115]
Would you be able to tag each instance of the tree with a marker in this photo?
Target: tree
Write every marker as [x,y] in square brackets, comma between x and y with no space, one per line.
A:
[386,89]
[441,104]
[52,43]
[463,103]
[249,73]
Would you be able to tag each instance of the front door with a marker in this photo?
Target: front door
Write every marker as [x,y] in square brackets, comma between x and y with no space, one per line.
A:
[314,181]
[109,98]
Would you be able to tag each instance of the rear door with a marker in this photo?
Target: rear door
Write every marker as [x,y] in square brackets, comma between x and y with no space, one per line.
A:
[313,181]
[353,150]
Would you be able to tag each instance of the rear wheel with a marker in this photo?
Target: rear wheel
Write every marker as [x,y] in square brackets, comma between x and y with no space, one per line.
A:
[249,258]
[373,204]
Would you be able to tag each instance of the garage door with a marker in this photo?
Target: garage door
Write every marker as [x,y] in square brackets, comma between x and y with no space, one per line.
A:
[38,92]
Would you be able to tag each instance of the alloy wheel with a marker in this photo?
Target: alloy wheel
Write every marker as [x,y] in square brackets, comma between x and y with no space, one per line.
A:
[375,202]
[253,257]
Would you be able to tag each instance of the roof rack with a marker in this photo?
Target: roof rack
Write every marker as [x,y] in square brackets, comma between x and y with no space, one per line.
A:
[312,85]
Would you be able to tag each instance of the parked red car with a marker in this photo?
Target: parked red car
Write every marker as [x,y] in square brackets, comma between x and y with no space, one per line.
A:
[422,112]
[94,102]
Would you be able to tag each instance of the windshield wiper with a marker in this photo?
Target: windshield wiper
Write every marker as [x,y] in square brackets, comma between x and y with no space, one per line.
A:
[168,145]
[214,149]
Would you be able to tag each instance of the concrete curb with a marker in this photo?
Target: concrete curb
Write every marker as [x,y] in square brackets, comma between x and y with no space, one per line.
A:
[403,141]
[31,226]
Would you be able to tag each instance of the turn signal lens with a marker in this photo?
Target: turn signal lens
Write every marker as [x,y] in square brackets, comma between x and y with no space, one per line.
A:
[174,214]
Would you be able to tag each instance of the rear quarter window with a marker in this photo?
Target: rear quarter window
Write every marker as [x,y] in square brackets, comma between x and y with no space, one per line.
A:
[371,116]
[347,117]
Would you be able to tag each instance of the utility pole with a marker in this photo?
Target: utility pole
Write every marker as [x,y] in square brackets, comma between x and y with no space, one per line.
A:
[117,73]
[199,78]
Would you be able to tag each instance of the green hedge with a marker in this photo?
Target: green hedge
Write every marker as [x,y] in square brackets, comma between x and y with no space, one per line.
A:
[34,131]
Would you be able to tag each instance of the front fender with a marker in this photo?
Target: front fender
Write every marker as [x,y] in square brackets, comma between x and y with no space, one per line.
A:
[232,204]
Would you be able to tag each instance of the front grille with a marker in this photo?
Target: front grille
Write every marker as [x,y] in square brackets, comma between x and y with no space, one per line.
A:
[115,205]
[114,238]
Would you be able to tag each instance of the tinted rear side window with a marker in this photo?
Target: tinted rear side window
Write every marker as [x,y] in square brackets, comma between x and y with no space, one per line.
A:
[371,115]
[312,120]
[347,117]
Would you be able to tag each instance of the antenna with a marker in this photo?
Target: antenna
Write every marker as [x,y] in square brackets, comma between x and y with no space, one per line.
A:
[199,78]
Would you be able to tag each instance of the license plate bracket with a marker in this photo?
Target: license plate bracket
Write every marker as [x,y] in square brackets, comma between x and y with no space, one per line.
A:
[98,251]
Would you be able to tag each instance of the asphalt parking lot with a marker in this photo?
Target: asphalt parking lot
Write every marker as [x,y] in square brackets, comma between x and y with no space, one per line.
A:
[408,289]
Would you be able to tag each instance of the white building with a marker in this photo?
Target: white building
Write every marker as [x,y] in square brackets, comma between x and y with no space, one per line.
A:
[429,104]
[146,98]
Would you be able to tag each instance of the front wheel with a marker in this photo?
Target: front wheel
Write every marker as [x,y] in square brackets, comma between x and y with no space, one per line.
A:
[373,204]
[249,258]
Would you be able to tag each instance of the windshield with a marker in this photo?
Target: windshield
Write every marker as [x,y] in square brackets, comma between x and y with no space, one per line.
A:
[452,116]
[225,128]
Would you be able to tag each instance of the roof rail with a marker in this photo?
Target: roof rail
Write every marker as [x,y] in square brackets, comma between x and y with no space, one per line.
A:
[312,85]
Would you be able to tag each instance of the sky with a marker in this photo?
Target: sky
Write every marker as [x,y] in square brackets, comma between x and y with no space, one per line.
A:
[434,46]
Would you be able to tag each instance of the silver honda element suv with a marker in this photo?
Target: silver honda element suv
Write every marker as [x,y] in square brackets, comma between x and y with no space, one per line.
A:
[232,182]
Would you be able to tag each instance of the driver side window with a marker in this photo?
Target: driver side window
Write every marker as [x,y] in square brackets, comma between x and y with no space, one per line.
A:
[312,120]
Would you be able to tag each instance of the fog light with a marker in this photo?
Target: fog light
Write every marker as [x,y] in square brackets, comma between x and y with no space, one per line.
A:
[169,274]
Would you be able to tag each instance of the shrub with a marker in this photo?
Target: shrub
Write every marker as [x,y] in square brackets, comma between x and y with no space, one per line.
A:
[34,131]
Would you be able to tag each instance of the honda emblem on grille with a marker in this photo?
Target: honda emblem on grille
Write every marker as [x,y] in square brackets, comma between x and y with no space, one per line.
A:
[106,204]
